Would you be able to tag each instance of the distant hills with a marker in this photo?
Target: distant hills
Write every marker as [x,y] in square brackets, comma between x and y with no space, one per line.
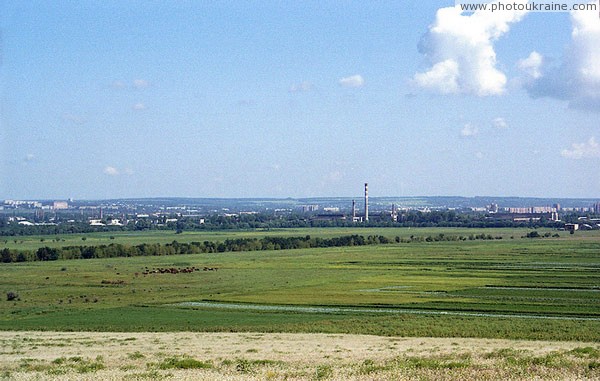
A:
[435,202]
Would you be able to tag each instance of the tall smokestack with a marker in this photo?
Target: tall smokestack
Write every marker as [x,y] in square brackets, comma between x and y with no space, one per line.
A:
[366,202]
[353,210]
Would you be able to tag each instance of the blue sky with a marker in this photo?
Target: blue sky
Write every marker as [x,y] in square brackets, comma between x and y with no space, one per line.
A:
[295,99]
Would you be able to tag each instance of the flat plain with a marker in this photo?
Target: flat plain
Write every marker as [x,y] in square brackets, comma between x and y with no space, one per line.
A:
[167,236]
[509,287]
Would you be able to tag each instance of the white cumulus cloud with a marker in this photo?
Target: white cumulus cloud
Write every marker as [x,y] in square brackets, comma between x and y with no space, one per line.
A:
[532,65]
[140,83]
[111,171]
[499,123]
[589,149]
[461,52]
[469,130]
[577,78]
[443,77]
[354,81]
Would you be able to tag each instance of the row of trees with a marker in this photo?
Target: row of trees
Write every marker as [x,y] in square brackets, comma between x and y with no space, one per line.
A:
[114,250]
[155,249]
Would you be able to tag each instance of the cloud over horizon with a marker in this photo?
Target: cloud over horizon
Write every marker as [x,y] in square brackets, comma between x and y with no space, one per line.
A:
[460,49]
[589,149]
[354,81]
[140,83]
[577,78]
[113,171]
[136,84]
[500,123]
[469,130]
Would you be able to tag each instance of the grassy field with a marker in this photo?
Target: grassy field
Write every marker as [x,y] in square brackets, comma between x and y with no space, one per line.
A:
[259,356]
[167,236]
[510,288]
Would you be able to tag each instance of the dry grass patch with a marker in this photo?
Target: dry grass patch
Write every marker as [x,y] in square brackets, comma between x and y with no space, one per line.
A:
[248,356]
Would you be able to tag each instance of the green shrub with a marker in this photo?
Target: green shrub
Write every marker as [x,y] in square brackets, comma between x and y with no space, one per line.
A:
[369,366]
[86,366]
[583,352]
[243,366]
[183,363]
[323,372]
[432,363]
[135,355]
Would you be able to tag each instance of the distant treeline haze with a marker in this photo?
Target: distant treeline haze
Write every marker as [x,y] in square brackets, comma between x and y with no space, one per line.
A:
[272,221]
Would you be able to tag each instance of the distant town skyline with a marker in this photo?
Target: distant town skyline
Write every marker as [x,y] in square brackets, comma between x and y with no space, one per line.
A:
[114,99]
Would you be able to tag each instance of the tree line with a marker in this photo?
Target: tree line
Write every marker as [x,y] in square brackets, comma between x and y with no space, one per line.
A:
[115,250]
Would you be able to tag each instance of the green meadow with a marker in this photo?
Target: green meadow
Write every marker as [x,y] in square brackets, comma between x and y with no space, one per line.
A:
[168,236]
[514,287]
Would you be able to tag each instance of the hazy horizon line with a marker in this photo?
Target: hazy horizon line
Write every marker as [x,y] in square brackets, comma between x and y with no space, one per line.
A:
[290,197]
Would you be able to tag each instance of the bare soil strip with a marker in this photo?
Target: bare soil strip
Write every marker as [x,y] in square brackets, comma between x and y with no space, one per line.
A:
[279,356]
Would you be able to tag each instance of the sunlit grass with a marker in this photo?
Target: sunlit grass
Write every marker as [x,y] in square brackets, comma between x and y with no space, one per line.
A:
[537,277]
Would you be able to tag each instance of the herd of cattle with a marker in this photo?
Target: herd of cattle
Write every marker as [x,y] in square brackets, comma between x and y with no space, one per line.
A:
[175,270]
